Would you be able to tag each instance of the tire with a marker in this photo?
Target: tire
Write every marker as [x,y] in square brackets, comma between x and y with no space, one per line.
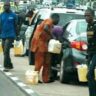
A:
[63,74]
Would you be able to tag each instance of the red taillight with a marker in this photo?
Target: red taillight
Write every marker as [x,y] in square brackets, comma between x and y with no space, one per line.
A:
[79,45]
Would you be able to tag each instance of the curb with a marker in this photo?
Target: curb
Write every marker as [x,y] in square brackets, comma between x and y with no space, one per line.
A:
[23,87]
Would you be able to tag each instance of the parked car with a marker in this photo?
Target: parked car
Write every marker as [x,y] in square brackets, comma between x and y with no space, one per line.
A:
[74,49]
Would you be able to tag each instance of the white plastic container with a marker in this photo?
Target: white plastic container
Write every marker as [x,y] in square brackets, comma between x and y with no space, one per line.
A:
[82,72]
[54,46]
[32,77]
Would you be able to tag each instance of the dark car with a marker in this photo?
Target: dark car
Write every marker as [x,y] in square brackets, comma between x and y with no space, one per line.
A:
[74,49]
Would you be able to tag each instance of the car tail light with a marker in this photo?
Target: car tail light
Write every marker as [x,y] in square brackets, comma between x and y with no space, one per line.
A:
[84,46]
[79,45]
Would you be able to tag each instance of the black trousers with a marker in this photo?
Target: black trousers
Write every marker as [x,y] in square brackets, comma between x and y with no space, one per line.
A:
[55,59]
[91,75]
[6,45]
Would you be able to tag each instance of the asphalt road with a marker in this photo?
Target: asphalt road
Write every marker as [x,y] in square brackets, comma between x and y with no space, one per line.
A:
[50,89]
[8,88]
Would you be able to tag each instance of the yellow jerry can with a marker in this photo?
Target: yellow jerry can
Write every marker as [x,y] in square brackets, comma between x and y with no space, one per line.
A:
[82,72]
[1,50]
[95,73]
[18,48]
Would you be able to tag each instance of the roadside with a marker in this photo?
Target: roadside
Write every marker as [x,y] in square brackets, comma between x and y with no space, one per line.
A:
[50,89]
[11,88]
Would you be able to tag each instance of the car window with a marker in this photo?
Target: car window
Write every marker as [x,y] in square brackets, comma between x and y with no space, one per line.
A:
[81,31]
[71,29]
[66,17]
[70,32]
[81,27]
[44,14]
[76,31]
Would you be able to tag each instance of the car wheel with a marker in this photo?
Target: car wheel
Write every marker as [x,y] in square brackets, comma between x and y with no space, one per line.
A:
[63,73]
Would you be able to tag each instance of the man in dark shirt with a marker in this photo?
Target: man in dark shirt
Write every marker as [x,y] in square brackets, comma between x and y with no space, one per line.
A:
[91,36]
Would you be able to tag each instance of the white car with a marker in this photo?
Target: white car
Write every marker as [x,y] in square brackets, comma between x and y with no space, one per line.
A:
[75,50]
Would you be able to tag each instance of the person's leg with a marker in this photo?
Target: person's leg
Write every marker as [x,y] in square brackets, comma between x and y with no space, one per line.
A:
[55,59]
[6,49]
[3,44]
[46,67]
[91,77]
[53,64]
[39,59]
[31,58]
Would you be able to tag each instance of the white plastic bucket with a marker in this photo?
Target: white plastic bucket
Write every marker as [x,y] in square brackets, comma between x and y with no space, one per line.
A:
[54,46]
[31,77]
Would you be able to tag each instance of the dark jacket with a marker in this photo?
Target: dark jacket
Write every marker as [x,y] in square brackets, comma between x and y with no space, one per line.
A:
[91,36]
